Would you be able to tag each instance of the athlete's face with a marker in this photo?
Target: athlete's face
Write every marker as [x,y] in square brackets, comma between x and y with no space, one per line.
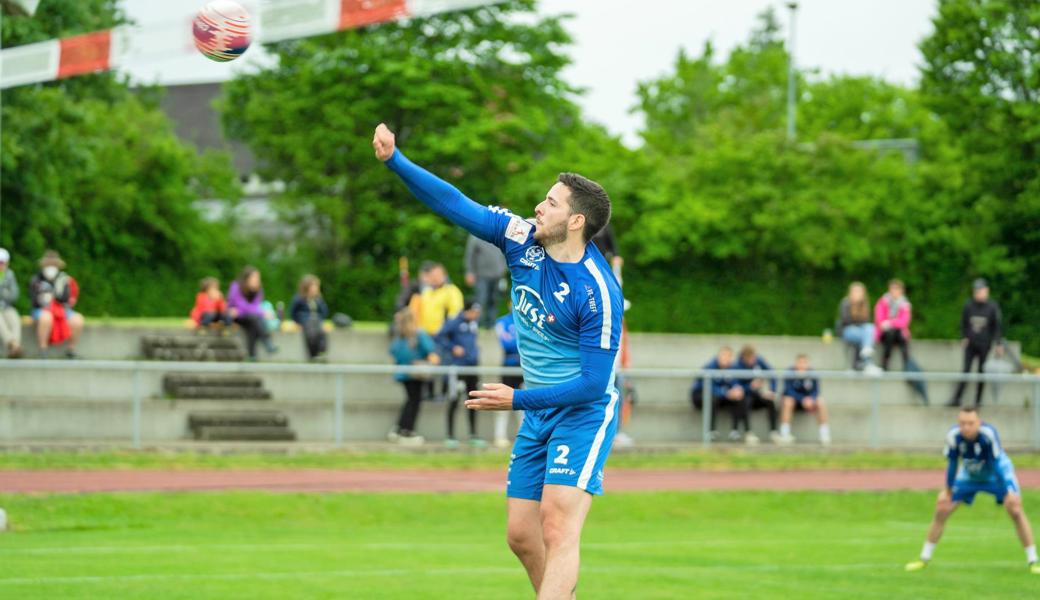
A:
[554,218]
[969,423]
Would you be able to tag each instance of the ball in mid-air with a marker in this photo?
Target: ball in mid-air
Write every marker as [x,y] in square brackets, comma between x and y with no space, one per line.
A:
[221,30]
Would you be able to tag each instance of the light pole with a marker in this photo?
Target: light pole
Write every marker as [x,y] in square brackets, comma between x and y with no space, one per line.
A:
[790,75]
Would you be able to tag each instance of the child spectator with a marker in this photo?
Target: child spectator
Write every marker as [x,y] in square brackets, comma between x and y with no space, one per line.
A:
[10,322]
[309,311]
[458,340]
[210,306]
[756,394]
[725,391]
[892,315]
[54,293]
[410,346]
[802,392]
[245,299]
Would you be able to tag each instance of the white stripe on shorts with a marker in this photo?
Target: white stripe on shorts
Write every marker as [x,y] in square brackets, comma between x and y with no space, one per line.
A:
[597,442]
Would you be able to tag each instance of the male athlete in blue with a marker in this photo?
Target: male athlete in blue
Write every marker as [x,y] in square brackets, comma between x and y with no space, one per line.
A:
[567,307]
[977,463]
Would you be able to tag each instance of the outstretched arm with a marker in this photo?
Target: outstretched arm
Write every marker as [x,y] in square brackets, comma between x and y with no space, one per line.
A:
[591,385]
[444,198]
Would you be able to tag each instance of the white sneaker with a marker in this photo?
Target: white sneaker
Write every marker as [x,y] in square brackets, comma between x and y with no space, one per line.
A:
[825,439]
[784,440]
[411,440]
[751,439]
[734,436]
[872,369]
[393,436]
[866,352]
[501,443]
[775,437]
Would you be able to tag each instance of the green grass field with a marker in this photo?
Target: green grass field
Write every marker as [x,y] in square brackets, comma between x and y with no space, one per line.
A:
[636,545]
[436,458]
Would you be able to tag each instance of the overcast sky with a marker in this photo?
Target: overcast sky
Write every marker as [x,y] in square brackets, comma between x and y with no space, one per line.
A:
[621,42]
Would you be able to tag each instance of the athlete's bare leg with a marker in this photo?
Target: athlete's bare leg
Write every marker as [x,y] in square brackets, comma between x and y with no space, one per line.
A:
[524,534]
[564,509]
[1013,505]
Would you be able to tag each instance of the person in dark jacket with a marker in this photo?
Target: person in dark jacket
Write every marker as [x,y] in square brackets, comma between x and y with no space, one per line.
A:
[725,391]
[309,310]
[757,394]
[458,340]
[981,326]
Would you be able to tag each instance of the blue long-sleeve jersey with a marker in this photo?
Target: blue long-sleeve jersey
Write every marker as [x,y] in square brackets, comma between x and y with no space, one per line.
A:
[567,315]
[981,459]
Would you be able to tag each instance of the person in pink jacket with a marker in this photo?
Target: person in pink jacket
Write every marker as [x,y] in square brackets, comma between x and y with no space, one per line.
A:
[892,315]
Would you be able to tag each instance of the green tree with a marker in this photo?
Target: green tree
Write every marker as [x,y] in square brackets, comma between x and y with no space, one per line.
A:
[94,170]
[980,77]
[475,96]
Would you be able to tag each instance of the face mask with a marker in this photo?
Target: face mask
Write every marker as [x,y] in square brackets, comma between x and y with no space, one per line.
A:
[50,272]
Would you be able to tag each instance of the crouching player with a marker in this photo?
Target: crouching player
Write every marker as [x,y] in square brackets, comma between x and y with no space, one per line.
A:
[983,467]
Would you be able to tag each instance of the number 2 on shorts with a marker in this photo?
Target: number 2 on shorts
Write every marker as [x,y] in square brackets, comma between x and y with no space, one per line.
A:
[562,458]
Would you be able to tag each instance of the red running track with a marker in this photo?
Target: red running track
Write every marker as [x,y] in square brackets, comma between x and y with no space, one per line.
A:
[314,480]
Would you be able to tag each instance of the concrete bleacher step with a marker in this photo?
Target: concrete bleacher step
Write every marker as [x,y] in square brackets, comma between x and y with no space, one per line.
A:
[237,419]
[239,433]
[220,393]
[191,348]
[174,381]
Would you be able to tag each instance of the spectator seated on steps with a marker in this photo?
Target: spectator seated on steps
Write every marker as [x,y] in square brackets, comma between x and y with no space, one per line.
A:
[53,294]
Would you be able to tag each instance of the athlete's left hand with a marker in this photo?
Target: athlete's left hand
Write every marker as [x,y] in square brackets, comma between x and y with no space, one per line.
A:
[494,396]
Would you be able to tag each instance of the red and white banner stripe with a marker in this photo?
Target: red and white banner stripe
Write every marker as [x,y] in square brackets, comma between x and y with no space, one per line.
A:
[275,20]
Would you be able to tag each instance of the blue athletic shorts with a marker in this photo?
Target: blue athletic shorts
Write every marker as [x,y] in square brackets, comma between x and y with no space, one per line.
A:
[562,447]
[799,400]
[964,490]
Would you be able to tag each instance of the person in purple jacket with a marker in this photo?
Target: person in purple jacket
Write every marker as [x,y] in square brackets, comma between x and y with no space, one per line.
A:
[244,299]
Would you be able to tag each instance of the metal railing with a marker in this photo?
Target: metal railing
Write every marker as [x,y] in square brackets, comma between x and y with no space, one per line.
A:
[341,371]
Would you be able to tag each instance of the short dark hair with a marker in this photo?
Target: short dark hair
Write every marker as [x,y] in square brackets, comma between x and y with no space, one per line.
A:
[896,282]
[970,409]
[588,198]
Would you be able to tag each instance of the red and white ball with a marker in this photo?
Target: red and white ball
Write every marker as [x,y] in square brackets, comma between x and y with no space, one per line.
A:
[221,30]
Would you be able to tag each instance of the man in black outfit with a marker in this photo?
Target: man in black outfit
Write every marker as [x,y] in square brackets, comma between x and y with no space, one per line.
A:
[980,327]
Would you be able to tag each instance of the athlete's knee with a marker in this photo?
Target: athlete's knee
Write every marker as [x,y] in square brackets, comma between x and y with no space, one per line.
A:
[522,541]
[1013,505]
[557,530]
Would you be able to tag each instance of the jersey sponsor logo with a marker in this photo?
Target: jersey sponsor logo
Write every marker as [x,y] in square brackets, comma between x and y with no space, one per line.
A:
[529,306]
[517,230]
[562,471]
[533,256]
[592,298]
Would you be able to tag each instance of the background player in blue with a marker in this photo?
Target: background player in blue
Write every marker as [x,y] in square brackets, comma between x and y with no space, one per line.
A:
[977,463]
[567,307]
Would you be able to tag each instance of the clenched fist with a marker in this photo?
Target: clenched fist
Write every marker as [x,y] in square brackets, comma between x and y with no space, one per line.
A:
[383,142]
